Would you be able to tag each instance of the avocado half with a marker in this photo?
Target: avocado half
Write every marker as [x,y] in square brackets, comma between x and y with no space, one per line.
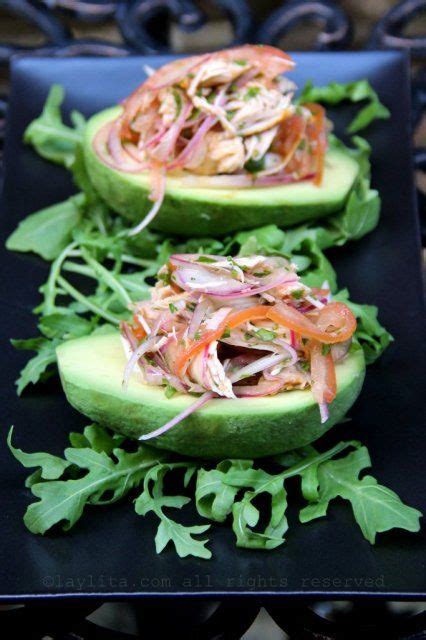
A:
[189,211]
[91,370]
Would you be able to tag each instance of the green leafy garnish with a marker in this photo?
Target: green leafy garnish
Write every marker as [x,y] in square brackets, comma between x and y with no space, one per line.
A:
[205,259]
[375,507]
[51,138]
[98,470]
[265,334]
[153,499]
[49,231]
[251,92]
[357,91]
[254,166]
[169,391]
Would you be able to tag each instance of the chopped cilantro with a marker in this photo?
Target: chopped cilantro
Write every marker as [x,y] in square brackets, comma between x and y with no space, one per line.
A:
[254,166]
[165,277]
[265,334]
[325,349]
[261,274]
[178,100]
[241,62]
[172,308]
[226,333]
[251,92]
[230,114]
[305,365]
[197,335]
[169,391]
[297,295]
[205,259]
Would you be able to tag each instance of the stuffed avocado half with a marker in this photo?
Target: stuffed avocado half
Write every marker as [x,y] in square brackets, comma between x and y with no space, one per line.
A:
[91,371]
[191,210]
[217,143]
[229,357]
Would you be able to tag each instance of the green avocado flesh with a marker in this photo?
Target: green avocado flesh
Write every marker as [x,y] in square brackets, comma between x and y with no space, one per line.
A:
[189,211]
[91,370]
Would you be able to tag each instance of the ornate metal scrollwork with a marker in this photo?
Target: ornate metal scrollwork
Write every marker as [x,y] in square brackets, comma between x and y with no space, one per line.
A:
[336,30]
[389,31]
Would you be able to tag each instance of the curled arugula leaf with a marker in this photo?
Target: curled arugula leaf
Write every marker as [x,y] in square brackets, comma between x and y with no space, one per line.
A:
[98,470]
[100,476]
[357,91]
[51,138]
[376,508]
[48,231]
[153,499]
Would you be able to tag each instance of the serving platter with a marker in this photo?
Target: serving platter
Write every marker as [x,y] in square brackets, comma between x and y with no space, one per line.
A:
[110,553]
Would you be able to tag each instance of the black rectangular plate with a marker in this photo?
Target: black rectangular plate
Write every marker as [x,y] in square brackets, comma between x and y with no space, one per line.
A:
[111,551]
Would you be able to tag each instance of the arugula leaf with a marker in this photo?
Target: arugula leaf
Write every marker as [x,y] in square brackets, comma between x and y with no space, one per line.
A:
[376,508]
[51,467]
[59,325]
[357,91]
[372,336]
[37,368]
[153,499]
[97,438]
[51,138]
[213,496]
[48,231]
[63,501]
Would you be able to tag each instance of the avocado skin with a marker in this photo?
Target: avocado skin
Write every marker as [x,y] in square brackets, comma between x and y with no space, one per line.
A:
[188,216]
[256,428]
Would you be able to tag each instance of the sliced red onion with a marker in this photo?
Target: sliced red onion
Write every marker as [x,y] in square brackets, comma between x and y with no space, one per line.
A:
[278,280]
[258,365]
[121,157]
[246,77]
[263,388]
[323,407]
[290,350]
[145,347]
[167,143]
[196,278]
[153,211]
[156,138]
[201,401]
[127,333]
[197,317]
[193,144]
[217,318]
[100,147]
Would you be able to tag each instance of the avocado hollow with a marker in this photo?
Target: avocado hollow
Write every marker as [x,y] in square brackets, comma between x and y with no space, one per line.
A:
[91,370]
[192,211]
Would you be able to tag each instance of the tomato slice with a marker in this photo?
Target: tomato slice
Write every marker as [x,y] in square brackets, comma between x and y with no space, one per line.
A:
[290,135]
[335,323]
[317,134]
[323,373]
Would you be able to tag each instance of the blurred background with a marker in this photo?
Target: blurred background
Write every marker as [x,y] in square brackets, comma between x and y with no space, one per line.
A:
[121,27]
